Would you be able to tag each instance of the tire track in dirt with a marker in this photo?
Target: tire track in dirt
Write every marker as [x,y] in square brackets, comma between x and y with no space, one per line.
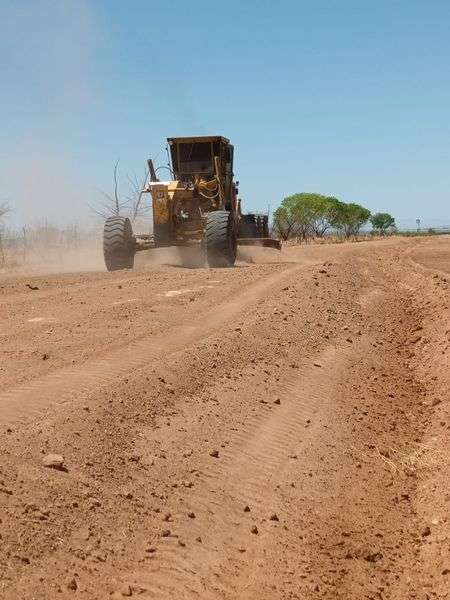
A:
[229,558]
[31,399]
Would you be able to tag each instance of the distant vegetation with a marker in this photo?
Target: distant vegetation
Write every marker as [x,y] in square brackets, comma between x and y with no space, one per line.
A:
[383,223]
[45,244]
[310,215]
[4,210]
[424,232]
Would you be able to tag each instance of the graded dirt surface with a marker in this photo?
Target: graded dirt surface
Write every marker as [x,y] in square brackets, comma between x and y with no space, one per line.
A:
[279,430]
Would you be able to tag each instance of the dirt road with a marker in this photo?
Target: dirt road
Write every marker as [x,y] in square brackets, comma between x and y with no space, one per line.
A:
[275,431]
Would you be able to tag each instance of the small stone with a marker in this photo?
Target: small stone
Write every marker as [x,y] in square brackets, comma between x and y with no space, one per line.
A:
[246,508]
[191,515]
[54,461]
[126,591]
[254,530]
[165,533]
[277,401]
[317,364]
[214,453]
[151,549]
[426,531]
[181,543]
[72,584]
[198,539]
[274,517]
[372,556]
[242,550]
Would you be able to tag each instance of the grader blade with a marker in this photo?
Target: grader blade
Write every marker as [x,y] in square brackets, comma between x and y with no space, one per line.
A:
[265,242]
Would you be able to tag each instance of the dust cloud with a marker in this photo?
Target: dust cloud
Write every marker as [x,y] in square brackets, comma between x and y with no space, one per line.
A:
[189,258]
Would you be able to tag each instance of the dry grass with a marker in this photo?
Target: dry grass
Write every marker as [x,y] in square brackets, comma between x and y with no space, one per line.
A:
[331,239]
[47,248]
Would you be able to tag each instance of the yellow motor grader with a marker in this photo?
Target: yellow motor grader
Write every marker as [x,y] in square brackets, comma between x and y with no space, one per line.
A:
[197,206]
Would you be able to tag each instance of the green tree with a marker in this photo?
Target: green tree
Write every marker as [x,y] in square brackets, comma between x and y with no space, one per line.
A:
[305,215]
[285,222]
[320,210]
[294,217]
[349,218]
[309,214]
[382,222]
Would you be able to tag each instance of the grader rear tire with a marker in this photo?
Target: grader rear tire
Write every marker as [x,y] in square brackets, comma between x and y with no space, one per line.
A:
[119,245]
[221,239]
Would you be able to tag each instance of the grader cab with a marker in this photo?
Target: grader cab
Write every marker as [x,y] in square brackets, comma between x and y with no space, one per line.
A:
[197,206]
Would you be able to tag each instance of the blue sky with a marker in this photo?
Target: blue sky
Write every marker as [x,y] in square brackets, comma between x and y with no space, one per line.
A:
[344,98]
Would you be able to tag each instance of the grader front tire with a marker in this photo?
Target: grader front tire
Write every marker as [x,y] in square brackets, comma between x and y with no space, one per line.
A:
[119,245]
[221,239]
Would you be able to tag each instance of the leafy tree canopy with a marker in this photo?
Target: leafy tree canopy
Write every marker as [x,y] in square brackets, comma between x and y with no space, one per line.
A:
[305,215]
[381,222]
[350,217]
[310,214]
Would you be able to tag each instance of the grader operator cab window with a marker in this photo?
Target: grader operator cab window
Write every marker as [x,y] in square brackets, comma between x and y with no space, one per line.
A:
[195,158]
[229,159]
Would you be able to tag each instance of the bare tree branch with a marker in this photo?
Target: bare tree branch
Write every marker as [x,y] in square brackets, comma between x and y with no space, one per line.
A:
[113,205]
[116,195]
[4,209]
[135,195]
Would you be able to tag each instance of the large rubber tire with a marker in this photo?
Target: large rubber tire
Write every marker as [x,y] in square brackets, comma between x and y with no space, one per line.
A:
[221,239]
[119,245]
